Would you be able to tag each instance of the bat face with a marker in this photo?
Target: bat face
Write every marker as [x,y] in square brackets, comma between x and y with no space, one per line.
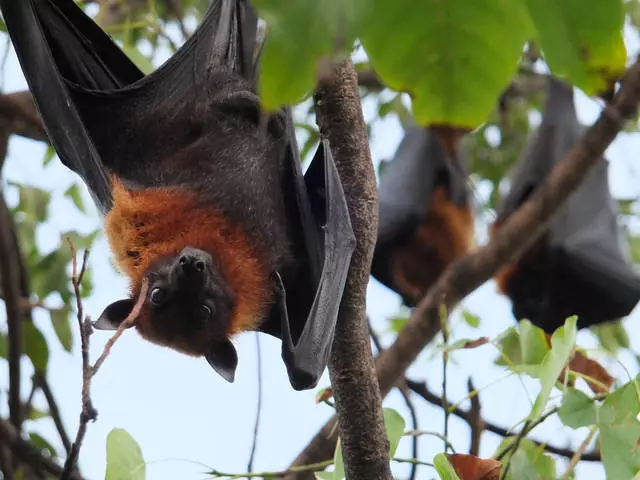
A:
[188,306]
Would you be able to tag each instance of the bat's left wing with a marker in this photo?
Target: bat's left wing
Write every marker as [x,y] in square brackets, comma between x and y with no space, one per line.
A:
[306,314]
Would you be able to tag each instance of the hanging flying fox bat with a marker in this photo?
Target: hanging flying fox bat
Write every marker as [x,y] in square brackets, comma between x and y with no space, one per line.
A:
[202,191]
[579,266]
[425,216]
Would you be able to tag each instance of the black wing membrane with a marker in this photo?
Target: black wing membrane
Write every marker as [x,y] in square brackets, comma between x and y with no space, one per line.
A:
[91,96]
[580,266]
[421,165]
[305,319]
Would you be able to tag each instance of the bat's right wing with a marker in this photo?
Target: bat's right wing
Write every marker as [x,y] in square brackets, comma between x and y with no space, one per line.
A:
[95,103]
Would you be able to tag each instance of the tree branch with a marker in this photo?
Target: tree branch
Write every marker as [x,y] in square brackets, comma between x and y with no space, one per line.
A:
[359,406]
[26,452]
[10,282]
[18,114]
[517,233]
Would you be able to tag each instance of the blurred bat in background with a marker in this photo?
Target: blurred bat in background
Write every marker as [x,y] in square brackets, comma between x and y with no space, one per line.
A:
[426,220]
[580,266]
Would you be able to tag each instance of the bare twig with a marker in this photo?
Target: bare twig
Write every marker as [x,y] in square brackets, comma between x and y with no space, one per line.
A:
[516,234]
[258,406]
[88,412]
[476,423]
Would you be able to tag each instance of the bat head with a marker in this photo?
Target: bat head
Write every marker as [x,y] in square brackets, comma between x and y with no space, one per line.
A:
[188,308]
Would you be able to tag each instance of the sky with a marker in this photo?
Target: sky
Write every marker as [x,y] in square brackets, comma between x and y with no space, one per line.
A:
[182,413]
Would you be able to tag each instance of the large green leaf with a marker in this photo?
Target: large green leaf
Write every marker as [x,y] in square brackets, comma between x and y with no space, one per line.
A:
[620,431]
[394,424]
[300,33]
[61,322]
[124,457]
[444,468]
[454,57]
[582,40]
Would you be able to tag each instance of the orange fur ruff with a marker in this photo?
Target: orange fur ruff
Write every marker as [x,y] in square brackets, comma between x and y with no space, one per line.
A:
[448,230]
[144,226]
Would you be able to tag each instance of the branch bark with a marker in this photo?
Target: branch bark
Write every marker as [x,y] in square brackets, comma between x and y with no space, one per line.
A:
[359,406]
[18,114]
[520,230]
[10,282]
[26,452]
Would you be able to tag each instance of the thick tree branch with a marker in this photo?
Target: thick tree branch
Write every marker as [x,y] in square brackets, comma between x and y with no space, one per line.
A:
[517,233]
[18,115]
[359,407]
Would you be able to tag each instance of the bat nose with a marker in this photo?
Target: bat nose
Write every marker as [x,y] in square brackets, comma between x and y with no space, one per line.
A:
[191,263]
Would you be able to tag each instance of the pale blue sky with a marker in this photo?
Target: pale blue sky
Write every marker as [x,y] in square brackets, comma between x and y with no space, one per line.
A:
[177,408]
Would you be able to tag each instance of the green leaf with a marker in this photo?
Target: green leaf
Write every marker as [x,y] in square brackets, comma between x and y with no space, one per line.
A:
[324,475]
[582,40]
[48,155]
[338,462]
[509,343]
[142,62]
[62,326]
[394,423]
[577,410]
[35,346]
[453,57]
[562,344]
[73,192]
[300,33]
[522,468]
[533,343]
[4,346]
[471,319]
[41,443]
[34,202]
[36,414]
[620,431]
[396,324]
[124,457]
[50,274]
[612,336]
[544,465]
[444,468]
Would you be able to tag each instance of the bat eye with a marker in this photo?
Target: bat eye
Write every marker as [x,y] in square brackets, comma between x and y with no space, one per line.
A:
[157,296]
[204,312]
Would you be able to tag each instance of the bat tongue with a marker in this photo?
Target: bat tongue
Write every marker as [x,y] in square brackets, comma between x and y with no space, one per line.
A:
[223,358]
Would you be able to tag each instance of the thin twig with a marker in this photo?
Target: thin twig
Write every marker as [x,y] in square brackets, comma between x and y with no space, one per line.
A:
[581,449]
[54,411]
[89,413]
[313,467]
[258,407]
[476,423]
[444,325]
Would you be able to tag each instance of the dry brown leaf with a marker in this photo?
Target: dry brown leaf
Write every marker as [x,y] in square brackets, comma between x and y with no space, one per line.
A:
[324,395]
[470,467]
[476,343]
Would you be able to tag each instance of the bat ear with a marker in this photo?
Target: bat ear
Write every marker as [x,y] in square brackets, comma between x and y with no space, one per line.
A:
[224,359]
[243,103]
[114,315]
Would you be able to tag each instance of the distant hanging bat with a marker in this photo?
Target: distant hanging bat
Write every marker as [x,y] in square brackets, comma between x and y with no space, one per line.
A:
[202,191]
[579,267]
[425,217]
